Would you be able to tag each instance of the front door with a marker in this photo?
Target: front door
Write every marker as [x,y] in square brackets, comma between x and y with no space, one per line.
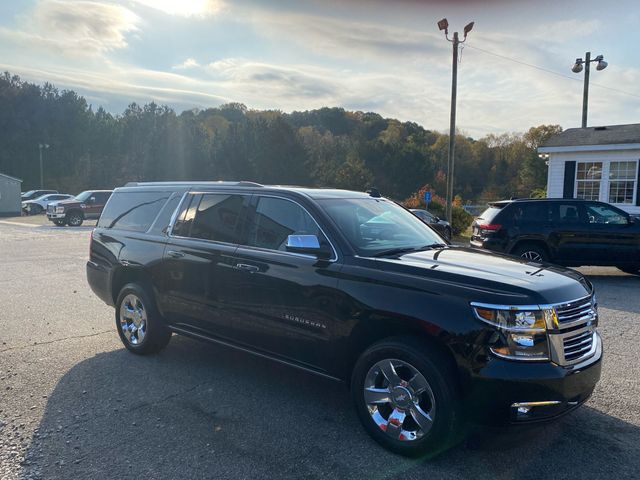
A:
[285,303]
[615,240]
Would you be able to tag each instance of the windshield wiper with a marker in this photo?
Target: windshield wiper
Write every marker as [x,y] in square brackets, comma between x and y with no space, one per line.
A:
[397,251]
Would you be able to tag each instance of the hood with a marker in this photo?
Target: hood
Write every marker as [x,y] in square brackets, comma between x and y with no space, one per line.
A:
[69,201]
[494,275]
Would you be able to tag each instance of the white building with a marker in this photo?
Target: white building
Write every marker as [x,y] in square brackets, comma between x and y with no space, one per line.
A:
[9,195]
[596,163]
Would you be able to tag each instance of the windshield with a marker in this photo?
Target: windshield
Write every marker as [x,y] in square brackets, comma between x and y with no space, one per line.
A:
[84,196]
[375,225]
[490,213]
[29,193]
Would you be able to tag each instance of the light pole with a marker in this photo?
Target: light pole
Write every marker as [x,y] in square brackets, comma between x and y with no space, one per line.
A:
[40,147]
[444,25]
[577,68]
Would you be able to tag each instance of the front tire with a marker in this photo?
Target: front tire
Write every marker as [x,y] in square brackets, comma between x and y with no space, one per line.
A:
[59,223]
[139,324]
[406,397]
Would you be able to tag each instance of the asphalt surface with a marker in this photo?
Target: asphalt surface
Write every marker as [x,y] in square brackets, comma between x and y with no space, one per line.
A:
[75,404]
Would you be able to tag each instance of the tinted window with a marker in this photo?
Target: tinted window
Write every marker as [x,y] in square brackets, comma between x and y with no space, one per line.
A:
[275,219]
[528,213]
[101,197]
[164,218]
[490,213]
[217,217]
[570,214]
[133,211]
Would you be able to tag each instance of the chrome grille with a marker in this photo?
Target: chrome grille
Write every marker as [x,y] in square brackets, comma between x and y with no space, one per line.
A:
[574,337]
[578,311]
[577,346]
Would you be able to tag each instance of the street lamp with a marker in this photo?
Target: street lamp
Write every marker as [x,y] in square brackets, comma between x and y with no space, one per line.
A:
[444,25]
[577,68]
[40,147]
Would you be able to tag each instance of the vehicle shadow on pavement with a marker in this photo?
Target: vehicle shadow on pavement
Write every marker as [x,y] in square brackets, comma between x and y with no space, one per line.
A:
[203,411]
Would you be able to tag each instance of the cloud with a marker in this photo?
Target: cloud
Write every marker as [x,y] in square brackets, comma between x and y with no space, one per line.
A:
[74,28]
[185,8]
[188,63]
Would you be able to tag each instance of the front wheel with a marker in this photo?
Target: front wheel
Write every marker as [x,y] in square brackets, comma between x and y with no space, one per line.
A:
[406,398]
[140,325]
[59,223]
[75,219]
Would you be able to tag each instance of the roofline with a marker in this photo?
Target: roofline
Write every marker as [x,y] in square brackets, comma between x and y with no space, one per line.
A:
[590,148]
[12,178]
[241,183]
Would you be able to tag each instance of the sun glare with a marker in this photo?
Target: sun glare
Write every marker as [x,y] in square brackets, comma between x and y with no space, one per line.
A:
[185,8]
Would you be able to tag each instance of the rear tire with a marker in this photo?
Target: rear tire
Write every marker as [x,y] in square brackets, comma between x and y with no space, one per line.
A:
[448,234]
[406,397]
[140,326]
[74,219]
[533,252]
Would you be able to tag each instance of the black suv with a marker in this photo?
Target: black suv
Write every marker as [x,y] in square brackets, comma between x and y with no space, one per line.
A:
[566,232]
[353,287]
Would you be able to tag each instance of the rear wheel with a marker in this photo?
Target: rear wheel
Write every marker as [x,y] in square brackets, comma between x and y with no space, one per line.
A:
[406,398]
[533,252]
[74,219]
[140,325]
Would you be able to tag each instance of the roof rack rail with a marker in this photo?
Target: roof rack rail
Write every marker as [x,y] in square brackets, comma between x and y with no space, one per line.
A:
[242,183]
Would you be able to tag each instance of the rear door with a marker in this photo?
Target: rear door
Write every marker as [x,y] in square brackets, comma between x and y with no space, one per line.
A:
[570,235]
[195,280]
[284,303]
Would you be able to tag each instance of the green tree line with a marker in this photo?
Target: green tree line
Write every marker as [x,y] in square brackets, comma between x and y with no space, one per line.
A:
[328,147]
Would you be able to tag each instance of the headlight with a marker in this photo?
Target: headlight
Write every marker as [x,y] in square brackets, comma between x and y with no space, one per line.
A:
[522,331]
[59,209]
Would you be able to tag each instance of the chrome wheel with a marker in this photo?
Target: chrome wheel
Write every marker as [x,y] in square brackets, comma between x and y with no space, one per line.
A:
[133,319]
[532,255]
[399,399]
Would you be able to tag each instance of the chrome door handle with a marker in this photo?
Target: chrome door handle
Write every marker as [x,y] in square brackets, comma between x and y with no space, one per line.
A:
[175,254]
[247,267]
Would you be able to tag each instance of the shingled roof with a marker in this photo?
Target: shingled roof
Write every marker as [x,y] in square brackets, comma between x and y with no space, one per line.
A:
[605,135]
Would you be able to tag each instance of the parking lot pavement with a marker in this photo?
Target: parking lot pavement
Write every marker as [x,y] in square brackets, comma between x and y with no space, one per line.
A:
[75,404]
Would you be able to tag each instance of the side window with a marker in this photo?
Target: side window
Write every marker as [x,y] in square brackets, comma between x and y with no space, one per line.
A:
[102,197]
[571,214]
[184,219]
[531,213]
[217,217]
[275,219]
[133,211]
[599,213]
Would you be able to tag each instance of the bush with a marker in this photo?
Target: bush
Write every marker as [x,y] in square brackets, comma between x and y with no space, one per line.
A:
[460,220]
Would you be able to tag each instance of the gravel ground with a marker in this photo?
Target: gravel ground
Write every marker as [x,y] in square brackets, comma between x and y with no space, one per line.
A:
[75,404]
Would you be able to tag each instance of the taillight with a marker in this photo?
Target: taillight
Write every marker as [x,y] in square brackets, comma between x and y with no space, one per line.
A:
[489,227]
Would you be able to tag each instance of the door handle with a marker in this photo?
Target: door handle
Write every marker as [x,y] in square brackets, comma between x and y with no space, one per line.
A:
[175,254]
[247,267]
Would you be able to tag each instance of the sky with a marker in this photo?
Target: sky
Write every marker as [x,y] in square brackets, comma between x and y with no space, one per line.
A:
[383,56]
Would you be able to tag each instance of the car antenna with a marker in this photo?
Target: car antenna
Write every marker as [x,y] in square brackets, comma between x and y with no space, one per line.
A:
[374,192]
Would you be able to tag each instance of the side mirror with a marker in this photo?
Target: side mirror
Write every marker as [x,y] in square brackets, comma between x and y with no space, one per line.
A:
[436,219]
[306,244]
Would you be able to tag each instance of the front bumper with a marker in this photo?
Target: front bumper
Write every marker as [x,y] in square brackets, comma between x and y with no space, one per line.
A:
[506,392]
[55,216]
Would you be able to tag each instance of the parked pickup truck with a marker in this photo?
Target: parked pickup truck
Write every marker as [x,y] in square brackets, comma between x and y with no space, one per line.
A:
[428,335]
[73,212]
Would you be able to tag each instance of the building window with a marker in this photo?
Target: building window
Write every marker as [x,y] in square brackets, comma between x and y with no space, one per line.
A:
[622,182]
[588,178]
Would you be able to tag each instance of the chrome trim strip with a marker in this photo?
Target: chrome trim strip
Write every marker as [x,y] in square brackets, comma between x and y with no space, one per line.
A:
[535,404]
[494,306]
[518,358]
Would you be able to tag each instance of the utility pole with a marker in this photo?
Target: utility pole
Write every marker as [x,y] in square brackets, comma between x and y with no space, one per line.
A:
[444,25]
[40,147]
[577,68]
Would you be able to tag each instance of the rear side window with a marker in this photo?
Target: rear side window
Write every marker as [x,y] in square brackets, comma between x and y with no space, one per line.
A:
[490,213]
[530,213]
[212,216]
[133,211]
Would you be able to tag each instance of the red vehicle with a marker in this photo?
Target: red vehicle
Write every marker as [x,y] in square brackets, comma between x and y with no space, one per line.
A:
[85,206]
